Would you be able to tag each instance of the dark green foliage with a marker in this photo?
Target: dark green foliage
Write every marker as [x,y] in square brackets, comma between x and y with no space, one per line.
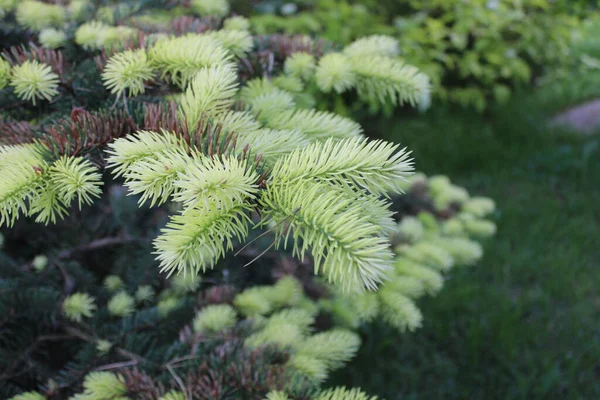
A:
[41,348]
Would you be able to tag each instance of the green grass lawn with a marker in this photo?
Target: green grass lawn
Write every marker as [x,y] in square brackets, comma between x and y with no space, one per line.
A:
[525,322]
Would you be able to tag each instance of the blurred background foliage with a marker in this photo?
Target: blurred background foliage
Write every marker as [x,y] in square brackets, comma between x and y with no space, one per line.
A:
[474,52]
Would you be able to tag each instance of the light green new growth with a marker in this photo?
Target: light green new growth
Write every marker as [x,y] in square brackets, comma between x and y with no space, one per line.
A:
[68,178]
[431,279]
[109,14]
[312,368]
[317,173]
[406,285]
[103,385]
[28,396]
[209,94]
[341,393]
[399,311]
[4,73]
[261,300]
[385,80]
[410,229]
[289,83]
[316,125]
[285,328]
[236,23]
[426,248]
[121,304]
[181,58]
[287,292]
[199,237]
[144,294]
[113,283]
[34,81]
[334,348]
[463,251]
[375,45]
[78,9]
[95,35]
[364,307]
[79,305]
[40,262]
[453,227]
[271,144]
[479,206]
[238,42]
[153,177]
[215,318]
[103,346]
[277,395]
[88,35]
[445,194]
[371,66]
[269,105]
[52,38]
[301,65]
[300,318]
[223,182]
[216,193]
[282,335]
[429,254]
[8,5]
[183,284]
[438,183]
[374,165]
[480,228]
[21,168]
[127,71]
[346,247]
[37,15]
[335,73]
[242,123]
[166,305]
[265,100]
[30,185]
[205,8]
[253,302]
[173,395]
[142,146]
[75,178]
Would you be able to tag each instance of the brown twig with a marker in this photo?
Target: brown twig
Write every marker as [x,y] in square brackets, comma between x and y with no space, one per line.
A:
[91,339]
[98,244]
[179,381]
[117,365]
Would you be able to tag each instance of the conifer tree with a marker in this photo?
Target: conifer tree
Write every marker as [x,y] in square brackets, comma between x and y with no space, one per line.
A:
[177,215]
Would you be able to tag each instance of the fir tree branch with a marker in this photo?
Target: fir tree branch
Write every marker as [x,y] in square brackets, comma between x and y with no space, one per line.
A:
[38,341]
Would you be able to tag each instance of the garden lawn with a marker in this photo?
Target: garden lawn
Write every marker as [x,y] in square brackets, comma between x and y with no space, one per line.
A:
[525,322]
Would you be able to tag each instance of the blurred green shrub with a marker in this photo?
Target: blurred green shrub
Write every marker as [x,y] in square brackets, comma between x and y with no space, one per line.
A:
[481,50]
[474,52]
[337,20]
